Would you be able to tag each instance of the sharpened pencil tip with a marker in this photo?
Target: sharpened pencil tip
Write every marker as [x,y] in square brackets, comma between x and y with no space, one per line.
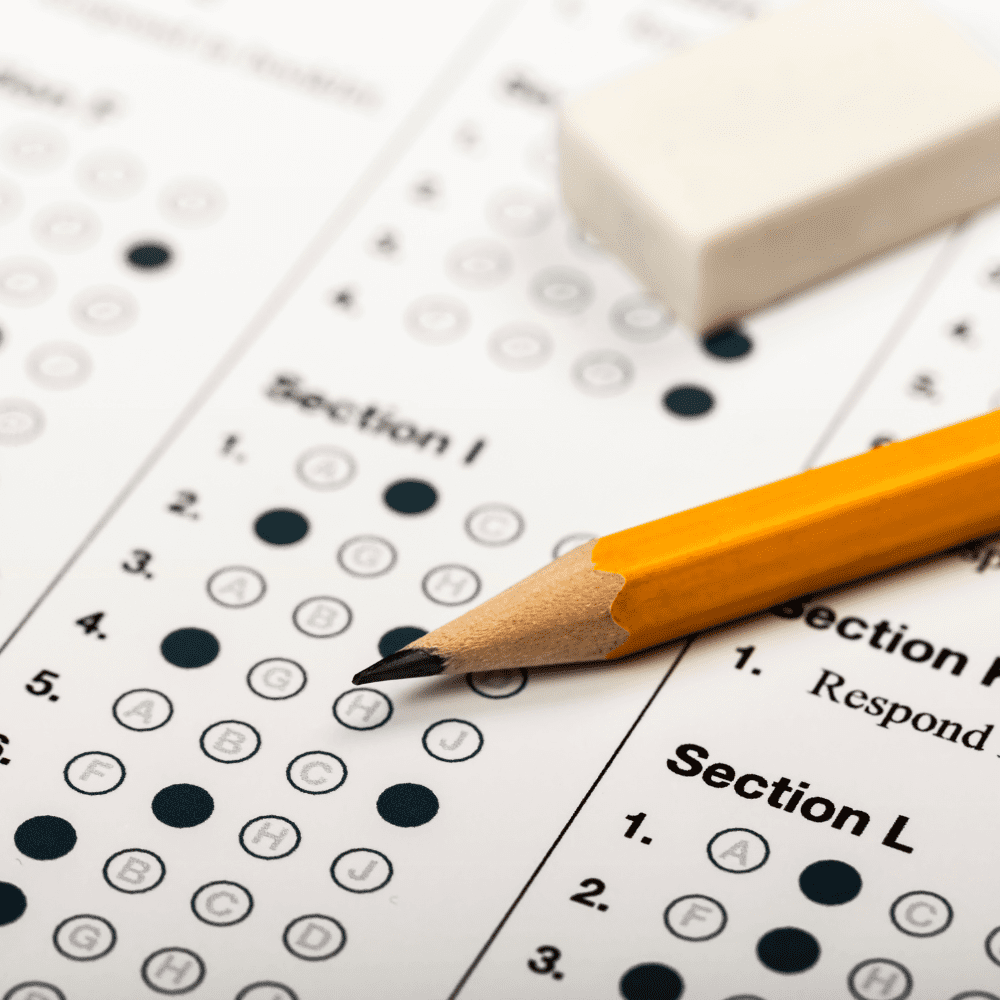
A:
[402,664]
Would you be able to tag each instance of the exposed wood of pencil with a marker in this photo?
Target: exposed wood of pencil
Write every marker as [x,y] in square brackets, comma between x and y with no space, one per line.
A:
[561,614]
[731,558]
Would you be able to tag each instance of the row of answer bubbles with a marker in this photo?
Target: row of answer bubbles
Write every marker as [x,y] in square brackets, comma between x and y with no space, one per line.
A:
[105,174]
[26,282]
[87,937]
[489,524]
[442,319]
[69,228]
[869,979]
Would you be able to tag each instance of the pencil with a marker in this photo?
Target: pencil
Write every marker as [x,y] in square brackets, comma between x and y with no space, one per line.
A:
[702,567]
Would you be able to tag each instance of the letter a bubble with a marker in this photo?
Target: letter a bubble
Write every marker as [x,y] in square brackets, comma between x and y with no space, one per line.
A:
[738,850]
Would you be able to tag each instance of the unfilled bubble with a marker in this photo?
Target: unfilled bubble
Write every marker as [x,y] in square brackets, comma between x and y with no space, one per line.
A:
[437,319]
[66,228]
[640,318]
[562,290]
[32,149]
[518,212]
[603,373]
[520,347]
[192,202]
[25,281]
[20,421]
[10,201]
[276,679]
[59,365]
[479,264]
[494,524]
[366,555]
[110,174]
[104,310]
[325,468]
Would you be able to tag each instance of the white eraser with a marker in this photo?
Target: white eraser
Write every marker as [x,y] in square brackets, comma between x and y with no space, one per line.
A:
[758,163]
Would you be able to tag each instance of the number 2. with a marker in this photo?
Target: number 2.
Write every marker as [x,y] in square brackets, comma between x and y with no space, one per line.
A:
[585,897]
[183,503]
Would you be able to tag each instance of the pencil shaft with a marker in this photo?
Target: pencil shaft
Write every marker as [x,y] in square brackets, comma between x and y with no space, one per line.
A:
[821,528]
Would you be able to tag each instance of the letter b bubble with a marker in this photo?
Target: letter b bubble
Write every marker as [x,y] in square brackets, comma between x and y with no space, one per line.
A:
[230,742]
[134,870]
[738,851]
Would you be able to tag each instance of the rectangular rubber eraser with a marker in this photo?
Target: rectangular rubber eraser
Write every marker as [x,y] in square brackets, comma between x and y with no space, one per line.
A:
[756,164]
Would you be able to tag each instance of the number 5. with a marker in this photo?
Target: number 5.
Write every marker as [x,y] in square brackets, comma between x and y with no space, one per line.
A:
[41,678]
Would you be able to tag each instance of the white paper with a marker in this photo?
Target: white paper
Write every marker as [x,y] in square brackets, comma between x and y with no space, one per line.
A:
[396,296]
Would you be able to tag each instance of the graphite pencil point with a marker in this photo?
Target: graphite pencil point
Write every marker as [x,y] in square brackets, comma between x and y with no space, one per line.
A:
[402,664]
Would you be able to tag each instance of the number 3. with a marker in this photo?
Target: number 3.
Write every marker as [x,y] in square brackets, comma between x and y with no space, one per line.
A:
[549,957]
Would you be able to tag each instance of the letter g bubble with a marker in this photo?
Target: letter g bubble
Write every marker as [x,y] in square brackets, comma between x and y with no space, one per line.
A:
[276,679]
[84,938]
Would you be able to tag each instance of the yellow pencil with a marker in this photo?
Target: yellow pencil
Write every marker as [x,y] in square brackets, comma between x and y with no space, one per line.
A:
[647,585]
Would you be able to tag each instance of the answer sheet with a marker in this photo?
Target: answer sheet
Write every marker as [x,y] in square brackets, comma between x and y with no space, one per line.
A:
[302,358]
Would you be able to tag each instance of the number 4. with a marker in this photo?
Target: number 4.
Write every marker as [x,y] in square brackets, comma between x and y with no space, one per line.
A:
[92,623]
